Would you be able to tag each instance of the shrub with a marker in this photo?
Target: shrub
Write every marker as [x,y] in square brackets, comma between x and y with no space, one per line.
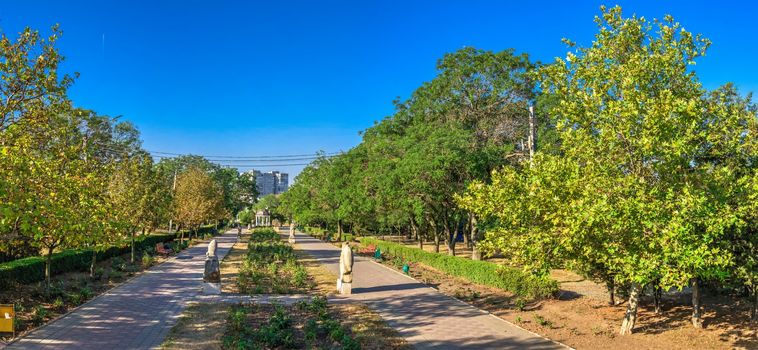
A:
[482,272]
[32,269]
[147,260]
[118,264]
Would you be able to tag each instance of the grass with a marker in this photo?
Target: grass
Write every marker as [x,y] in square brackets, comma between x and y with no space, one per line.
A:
[481,272]
[307,324]
[271,267]
[231,265]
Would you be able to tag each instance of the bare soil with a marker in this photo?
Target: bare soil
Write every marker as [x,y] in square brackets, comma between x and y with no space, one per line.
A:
[231,265]
[35,306]
[589,322]
[570,282]
[201,326]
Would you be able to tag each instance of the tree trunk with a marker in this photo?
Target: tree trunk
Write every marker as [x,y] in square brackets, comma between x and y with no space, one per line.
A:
[610,284]
[435,233]
[467,232]
[48,263]
[754,311]
[449,238]
[696,316]
[92,265]
[339,231]
[475,253]
[657,294]
[181,239]
[132,259]
[630,317]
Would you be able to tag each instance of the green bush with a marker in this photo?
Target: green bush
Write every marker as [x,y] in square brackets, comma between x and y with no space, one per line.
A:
[32,269]
[481,272]
[271,266]
[147,259]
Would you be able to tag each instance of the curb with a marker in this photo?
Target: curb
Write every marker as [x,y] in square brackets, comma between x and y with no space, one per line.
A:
[485,312]
[105,293]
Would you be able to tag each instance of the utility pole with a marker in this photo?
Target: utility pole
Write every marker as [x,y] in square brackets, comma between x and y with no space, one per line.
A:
[532,134]
[173,189]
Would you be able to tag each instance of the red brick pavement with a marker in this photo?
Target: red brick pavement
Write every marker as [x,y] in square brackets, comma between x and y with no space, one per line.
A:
[135,315]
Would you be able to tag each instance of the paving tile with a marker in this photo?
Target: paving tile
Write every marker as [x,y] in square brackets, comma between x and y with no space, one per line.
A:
[135,315]
[426,318]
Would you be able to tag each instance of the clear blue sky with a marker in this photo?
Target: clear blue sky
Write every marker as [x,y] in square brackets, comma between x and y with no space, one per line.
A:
[275,77]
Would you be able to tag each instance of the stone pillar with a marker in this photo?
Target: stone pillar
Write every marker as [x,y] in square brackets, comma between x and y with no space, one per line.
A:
[345,279]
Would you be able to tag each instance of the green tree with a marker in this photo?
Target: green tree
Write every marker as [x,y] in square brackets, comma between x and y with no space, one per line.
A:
[197,199]
[646,201]
[132,193]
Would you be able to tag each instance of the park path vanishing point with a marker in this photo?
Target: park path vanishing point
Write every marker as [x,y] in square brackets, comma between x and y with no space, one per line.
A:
[426,318]
[137,314]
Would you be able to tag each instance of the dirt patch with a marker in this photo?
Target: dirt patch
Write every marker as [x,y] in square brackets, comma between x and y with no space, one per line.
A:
[305,325]
[369,328]
[37,306]
[204,326]
[324,282]
[201,326]
[231,265]
[584,322]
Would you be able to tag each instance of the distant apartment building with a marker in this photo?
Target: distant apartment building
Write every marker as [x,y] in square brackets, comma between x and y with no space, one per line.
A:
[272,182]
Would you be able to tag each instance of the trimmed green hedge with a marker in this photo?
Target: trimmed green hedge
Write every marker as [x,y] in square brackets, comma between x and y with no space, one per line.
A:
[321,233]
[32,269]
[481,272]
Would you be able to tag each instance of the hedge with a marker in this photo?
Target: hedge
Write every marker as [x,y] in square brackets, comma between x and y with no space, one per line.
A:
[321,233]
[482,272]
[32,269]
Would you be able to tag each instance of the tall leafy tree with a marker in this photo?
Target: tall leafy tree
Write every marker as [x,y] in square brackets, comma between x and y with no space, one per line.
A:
[197,199]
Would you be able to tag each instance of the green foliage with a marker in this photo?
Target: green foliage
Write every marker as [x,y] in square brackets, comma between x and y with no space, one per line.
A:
[198,198]
[319,329]
[271,266]
[32,269]
[651,183]
[147,260]
[467,121]
[482,272]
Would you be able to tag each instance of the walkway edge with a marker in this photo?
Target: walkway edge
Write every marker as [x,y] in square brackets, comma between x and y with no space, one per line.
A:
[472,306]
[484,312]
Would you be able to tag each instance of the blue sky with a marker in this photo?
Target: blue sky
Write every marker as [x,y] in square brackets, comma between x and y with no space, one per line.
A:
[279,77]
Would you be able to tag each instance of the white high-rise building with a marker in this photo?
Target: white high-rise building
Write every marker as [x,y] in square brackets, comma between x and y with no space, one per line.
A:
[272,182]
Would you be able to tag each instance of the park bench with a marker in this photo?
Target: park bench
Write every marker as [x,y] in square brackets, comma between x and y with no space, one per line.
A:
[369,249]
[160,249]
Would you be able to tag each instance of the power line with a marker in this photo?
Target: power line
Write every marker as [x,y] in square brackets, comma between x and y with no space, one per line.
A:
[250,160]
[258,157]
[261,165]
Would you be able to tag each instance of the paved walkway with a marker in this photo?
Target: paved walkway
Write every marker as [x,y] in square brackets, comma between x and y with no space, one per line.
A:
[135,315]
[426,318]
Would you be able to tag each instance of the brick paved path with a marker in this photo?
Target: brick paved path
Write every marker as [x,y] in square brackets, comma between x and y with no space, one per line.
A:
[135,315]
[426,318]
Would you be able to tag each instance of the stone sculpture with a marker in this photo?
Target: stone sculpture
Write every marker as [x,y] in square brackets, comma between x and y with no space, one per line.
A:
[212,273]
[291,238]
[345,279]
